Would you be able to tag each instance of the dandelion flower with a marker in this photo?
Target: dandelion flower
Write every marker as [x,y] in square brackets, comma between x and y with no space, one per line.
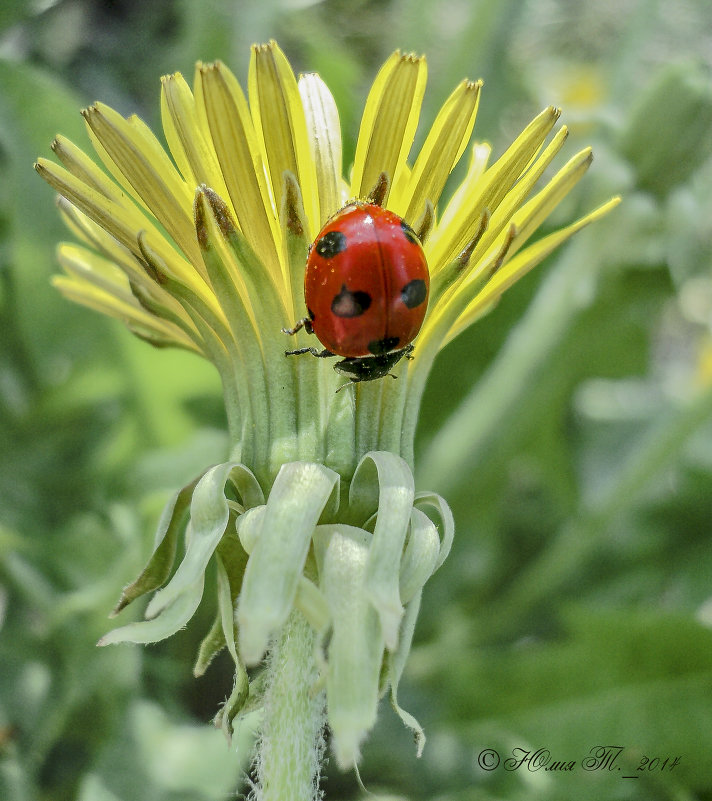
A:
[322,546]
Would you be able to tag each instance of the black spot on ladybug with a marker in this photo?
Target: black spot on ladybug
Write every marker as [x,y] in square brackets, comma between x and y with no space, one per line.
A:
[350,304]
[385,345]
[410,234]
[331,244]
[414,293]
[310,313]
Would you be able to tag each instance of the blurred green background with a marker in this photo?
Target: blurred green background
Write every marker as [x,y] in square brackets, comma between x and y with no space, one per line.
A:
[570,430]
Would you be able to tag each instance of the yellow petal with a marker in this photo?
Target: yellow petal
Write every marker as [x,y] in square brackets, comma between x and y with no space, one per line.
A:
[478,164]
[526,219]
[228,118]
[324,132]
[389,121]
[442,149]
[118,270]
[281,127]
[80,165]
[82,263]
[100,240]
[533,213]
[86,267]
[518,266]
[123,224]
[192,151]
[128,311]
[135,157]
[510,210]
[487,193]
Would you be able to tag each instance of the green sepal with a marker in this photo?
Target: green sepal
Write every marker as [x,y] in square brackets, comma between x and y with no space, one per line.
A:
[230,559]
[301,493]
[393,487]
[420,555]
[445,521]
[310,601]
[209,515]
[159,566]
[356,647]
[210,647]
[256,695]
[171,620]
[235,703]
[396,664]
[249,525]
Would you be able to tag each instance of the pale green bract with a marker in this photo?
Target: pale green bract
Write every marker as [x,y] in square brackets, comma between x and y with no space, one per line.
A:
[353,563]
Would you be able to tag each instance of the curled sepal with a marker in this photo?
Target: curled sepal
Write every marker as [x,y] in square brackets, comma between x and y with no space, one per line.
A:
[249,525]
[385,478]
[234,704]
[210,647]
[160,564]
[396,663]
[300,494]
[431,501]
[356,647]
[230,560]
[169,622]
[209,514]
[420,555]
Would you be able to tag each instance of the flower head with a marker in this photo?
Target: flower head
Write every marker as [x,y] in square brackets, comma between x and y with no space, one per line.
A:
[204,247]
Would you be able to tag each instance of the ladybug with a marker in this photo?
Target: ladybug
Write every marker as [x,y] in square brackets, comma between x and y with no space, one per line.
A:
[366,289]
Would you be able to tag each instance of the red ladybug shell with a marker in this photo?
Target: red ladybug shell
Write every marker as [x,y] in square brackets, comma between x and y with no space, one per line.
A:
[366,282]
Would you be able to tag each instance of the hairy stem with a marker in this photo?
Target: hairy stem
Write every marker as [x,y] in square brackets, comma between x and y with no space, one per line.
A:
[291,743]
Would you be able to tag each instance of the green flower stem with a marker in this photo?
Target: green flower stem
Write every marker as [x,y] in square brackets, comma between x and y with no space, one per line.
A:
[291,742]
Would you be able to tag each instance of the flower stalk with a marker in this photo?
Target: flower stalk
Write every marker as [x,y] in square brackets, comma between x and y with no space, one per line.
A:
[321,544]
[291,739]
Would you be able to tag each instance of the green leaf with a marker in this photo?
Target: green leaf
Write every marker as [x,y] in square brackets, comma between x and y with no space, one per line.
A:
[229,581]
[639,680]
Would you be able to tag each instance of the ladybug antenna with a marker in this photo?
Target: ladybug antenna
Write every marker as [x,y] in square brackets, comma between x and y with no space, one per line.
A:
[379,193]
[424,224]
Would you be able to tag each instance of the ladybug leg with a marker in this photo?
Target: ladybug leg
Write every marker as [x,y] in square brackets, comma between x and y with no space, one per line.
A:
[304,323]
[353,381]
[322,354]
